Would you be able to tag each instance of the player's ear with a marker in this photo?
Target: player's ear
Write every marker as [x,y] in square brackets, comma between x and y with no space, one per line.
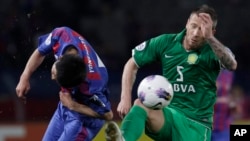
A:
[187,23]
[214,30]
[53,71]
[188,20]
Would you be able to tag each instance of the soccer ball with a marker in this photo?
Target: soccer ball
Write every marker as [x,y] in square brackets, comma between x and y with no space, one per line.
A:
[155,92]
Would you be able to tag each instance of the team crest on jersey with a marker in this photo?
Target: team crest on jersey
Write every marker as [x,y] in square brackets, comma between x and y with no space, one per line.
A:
[141,46]
[192,58]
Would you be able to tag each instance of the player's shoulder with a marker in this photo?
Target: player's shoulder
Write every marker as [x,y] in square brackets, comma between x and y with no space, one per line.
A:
[165,38]
[62,29]
[206,48]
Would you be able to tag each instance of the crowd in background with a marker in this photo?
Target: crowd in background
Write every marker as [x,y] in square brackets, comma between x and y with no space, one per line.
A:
[113,28]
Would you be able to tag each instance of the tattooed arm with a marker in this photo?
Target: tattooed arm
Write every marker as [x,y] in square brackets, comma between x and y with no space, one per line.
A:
[223,53]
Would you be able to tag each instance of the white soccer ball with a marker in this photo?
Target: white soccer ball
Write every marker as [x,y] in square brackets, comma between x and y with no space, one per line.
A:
[155,92]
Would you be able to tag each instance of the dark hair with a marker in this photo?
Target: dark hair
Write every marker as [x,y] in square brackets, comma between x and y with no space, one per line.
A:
[71,70]
[209,10]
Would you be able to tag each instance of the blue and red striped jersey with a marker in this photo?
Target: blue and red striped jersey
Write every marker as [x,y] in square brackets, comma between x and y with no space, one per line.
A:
[61,37]
[221,109]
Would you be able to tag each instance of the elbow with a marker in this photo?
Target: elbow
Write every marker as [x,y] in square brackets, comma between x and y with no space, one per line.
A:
[233,66]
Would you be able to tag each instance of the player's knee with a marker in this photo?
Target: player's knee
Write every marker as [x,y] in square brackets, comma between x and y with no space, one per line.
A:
[137,102]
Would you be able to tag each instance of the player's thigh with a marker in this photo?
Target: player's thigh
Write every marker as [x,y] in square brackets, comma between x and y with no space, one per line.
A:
[186,129]
[191,130]
[165,130]
[177,127]
[155,118]
[85,129]
[55,128]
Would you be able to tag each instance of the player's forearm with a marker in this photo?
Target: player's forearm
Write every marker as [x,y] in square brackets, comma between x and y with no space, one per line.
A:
[128,79]
[224,54]
[85,110]
[34,61]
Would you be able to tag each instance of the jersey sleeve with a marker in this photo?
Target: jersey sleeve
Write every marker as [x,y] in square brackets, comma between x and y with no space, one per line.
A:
[45,44]
[149,51]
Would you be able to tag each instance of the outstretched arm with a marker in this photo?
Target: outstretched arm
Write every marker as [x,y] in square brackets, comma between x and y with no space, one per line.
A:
[68,102]
[33,63]
[128,79]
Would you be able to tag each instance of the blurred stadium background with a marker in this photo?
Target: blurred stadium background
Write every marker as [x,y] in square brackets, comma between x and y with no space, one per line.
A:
[113,28]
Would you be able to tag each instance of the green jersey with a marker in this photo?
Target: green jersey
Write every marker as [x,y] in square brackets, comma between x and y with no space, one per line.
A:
[192,73]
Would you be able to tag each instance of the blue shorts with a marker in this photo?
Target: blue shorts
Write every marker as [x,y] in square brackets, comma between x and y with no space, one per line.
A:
[67,125]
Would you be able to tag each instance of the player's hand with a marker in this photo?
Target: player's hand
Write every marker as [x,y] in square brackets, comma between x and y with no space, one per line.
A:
[207,25]
[66,99]
[123,107]
[22,89]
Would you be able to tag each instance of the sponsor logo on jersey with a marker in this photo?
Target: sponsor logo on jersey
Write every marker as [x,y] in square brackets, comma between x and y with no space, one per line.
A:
[48,39]
[184,88]
[141,46]
[168,56]
[192,58]
[89,61]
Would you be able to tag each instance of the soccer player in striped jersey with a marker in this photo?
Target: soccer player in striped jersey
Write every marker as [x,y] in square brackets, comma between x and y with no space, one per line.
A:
[191,60]
[84,104]
[222,108]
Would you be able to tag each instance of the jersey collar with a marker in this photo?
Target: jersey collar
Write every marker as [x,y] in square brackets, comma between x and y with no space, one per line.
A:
[179,37]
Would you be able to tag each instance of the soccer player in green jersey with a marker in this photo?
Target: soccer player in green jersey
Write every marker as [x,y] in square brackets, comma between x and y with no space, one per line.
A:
[191,60]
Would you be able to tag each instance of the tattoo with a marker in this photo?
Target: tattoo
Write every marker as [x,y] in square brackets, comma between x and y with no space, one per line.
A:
[223,53]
